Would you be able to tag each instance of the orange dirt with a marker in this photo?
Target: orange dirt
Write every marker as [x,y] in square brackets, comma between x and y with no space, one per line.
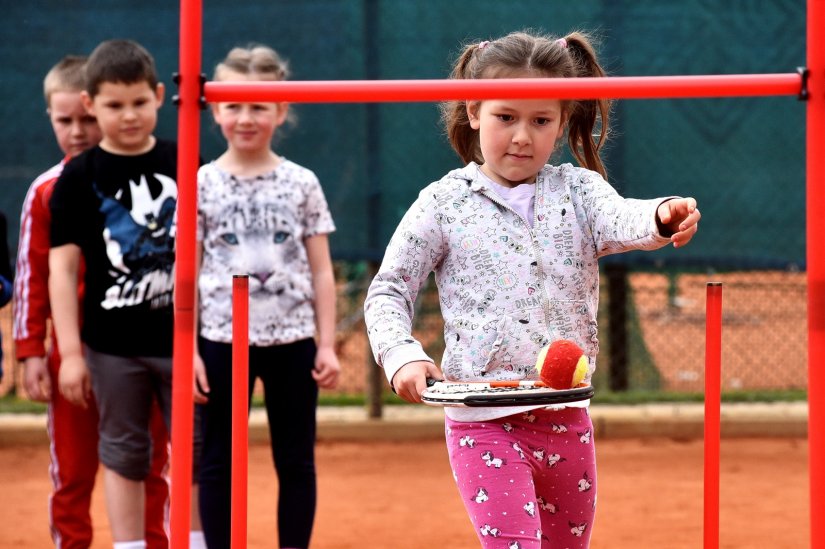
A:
[400,495]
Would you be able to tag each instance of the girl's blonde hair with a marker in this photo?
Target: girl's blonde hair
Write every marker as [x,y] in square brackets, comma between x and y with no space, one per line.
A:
[255,60]
[521,53]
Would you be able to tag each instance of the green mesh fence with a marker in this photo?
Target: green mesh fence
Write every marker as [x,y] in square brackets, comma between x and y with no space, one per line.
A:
[743,159]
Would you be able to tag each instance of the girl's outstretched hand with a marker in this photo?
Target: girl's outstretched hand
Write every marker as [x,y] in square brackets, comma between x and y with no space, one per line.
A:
[679,219]
[411,380]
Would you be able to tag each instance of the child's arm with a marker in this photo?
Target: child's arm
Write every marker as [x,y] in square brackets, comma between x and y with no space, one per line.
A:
[31,293]
[414,250]
[201,389]
[327,368]
[619,224]
[74,382]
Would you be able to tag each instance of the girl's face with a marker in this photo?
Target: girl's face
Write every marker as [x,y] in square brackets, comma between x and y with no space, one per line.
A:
[517,136]
[248,127]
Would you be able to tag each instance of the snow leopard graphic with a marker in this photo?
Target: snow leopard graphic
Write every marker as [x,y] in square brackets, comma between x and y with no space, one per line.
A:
[262,241]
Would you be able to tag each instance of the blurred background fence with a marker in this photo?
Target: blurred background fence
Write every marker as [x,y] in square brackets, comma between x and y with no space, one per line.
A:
[743,159]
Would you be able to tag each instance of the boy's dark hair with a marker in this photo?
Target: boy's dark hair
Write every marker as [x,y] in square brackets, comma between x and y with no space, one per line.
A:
[119,61]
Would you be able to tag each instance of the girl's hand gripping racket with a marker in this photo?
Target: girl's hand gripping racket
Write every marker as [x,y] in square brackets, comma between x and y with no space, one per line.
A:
[561,366]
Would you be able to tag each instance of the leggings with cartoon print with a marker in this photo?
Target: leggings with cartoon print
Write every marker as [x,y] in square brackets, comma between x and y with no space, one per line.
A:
[528,481]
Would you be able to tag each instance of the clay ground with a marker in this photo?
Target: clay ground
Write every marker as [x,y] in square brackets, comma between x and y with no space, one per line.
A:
[764,323]
[400,495]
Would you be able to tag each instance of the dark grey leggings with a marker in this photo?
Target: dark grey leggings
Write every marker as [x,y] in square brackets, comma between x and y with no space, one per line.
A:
[291,397]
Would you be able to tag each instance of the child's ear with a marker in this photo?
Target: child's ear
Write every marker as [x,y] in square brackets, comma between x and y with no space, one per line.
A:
[562,127]
[86,99]
[283,111]
[472,113]
[160,91]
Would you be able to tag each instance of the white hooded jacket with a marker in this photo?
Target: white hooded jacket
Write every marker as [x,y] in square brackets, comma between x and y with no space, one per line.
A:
[506,289]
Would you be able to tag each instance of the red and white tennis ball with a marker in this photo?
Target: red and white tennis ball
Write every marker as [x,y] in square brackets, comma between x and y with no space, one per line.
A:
[562,364]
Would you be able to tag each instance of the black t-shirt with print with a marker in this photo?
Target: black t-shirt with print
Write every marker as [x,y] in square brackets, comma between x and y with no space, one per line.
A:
[120,211]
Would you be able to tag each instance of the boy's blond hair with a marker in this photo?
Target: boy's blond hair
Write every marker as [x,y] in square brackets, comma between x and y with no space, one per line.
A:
[69,75]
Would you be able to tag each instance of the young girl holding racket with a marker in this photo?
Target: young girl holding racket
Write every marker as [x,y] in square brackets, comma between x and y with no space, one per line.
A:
[514,243]
[263,215]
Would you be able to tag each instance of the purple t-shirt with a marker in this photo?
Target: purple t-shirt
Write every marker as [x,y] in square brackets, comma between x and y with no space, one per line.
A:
[521,197]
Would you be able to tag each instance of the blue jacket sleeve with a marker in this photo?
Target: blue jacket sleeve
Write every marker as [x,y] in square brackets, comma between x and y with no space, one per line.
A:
[6,276]
[5,290]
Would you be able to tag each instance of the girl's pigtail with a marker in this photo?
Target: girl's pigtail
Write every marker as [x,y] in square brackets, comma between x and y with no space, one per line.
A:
[591,116]
[462,137]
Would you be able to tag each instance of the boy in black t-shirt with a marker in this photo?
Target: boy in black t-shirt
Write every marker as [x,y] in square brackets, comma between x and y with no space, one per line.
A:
[114,205]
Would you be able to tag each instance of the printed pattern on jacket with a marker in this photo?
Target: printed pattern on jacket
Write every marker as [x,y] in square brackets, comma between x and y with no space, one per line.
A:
[506,289]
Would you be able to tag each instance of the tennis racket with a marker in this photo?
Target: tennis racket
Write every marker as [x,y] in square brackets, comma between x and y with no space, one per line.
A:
[500,393]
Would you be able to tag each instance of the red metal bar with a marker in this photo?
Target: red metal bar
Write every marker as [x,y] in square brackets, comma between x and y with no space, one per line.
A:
[815,242]
[184,342]
[713,405]
[628,87]
[240,409]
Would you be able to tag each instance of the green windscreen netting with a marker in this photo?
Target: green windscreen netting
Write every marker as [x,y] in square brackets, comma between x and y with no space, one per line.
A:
[742,158]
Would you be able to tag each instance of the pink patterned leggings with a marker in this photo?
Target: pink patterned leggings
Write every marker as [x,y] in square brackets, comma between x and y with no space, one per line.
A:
[528,480]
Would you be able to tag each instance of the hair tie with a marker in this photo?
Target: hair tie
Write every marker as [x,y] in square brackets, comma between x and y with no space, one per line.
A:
[562,42]
[482,45]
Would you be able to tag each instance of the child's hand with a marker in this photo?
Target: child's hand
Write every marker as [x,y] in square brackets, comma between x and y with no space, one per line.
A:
[679,219]
[200,393]
[36,378]
[411,380]
[74,381]
[327,369]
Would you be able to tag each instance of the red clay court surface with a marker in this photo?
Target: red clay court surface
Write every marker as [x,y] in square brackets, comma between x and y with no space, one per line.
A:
[400,495]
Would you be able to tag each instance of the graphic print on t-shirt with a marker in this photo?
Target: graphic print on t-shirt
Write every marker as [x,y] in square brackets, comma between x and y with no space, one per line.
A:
[262,240]
[139,233]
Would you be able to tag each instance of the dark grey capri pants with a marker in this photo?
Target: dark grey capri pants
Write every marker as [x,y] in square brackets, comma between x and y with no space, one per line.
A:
[124,388]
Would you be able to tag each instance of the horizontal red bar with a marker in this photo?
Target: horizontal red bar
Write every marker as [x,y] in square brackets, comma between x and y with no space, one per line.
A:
[616,87]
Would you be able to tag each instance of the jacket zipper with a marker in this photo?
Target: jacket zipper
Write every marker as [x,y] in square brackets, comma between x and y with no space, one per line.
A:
[545,299]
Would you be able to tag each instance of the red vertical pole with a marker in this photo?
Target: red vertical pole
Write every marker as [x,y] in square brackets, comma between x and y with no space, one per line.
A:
[184,342]
[240,408]
[713,404]
[815,199]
